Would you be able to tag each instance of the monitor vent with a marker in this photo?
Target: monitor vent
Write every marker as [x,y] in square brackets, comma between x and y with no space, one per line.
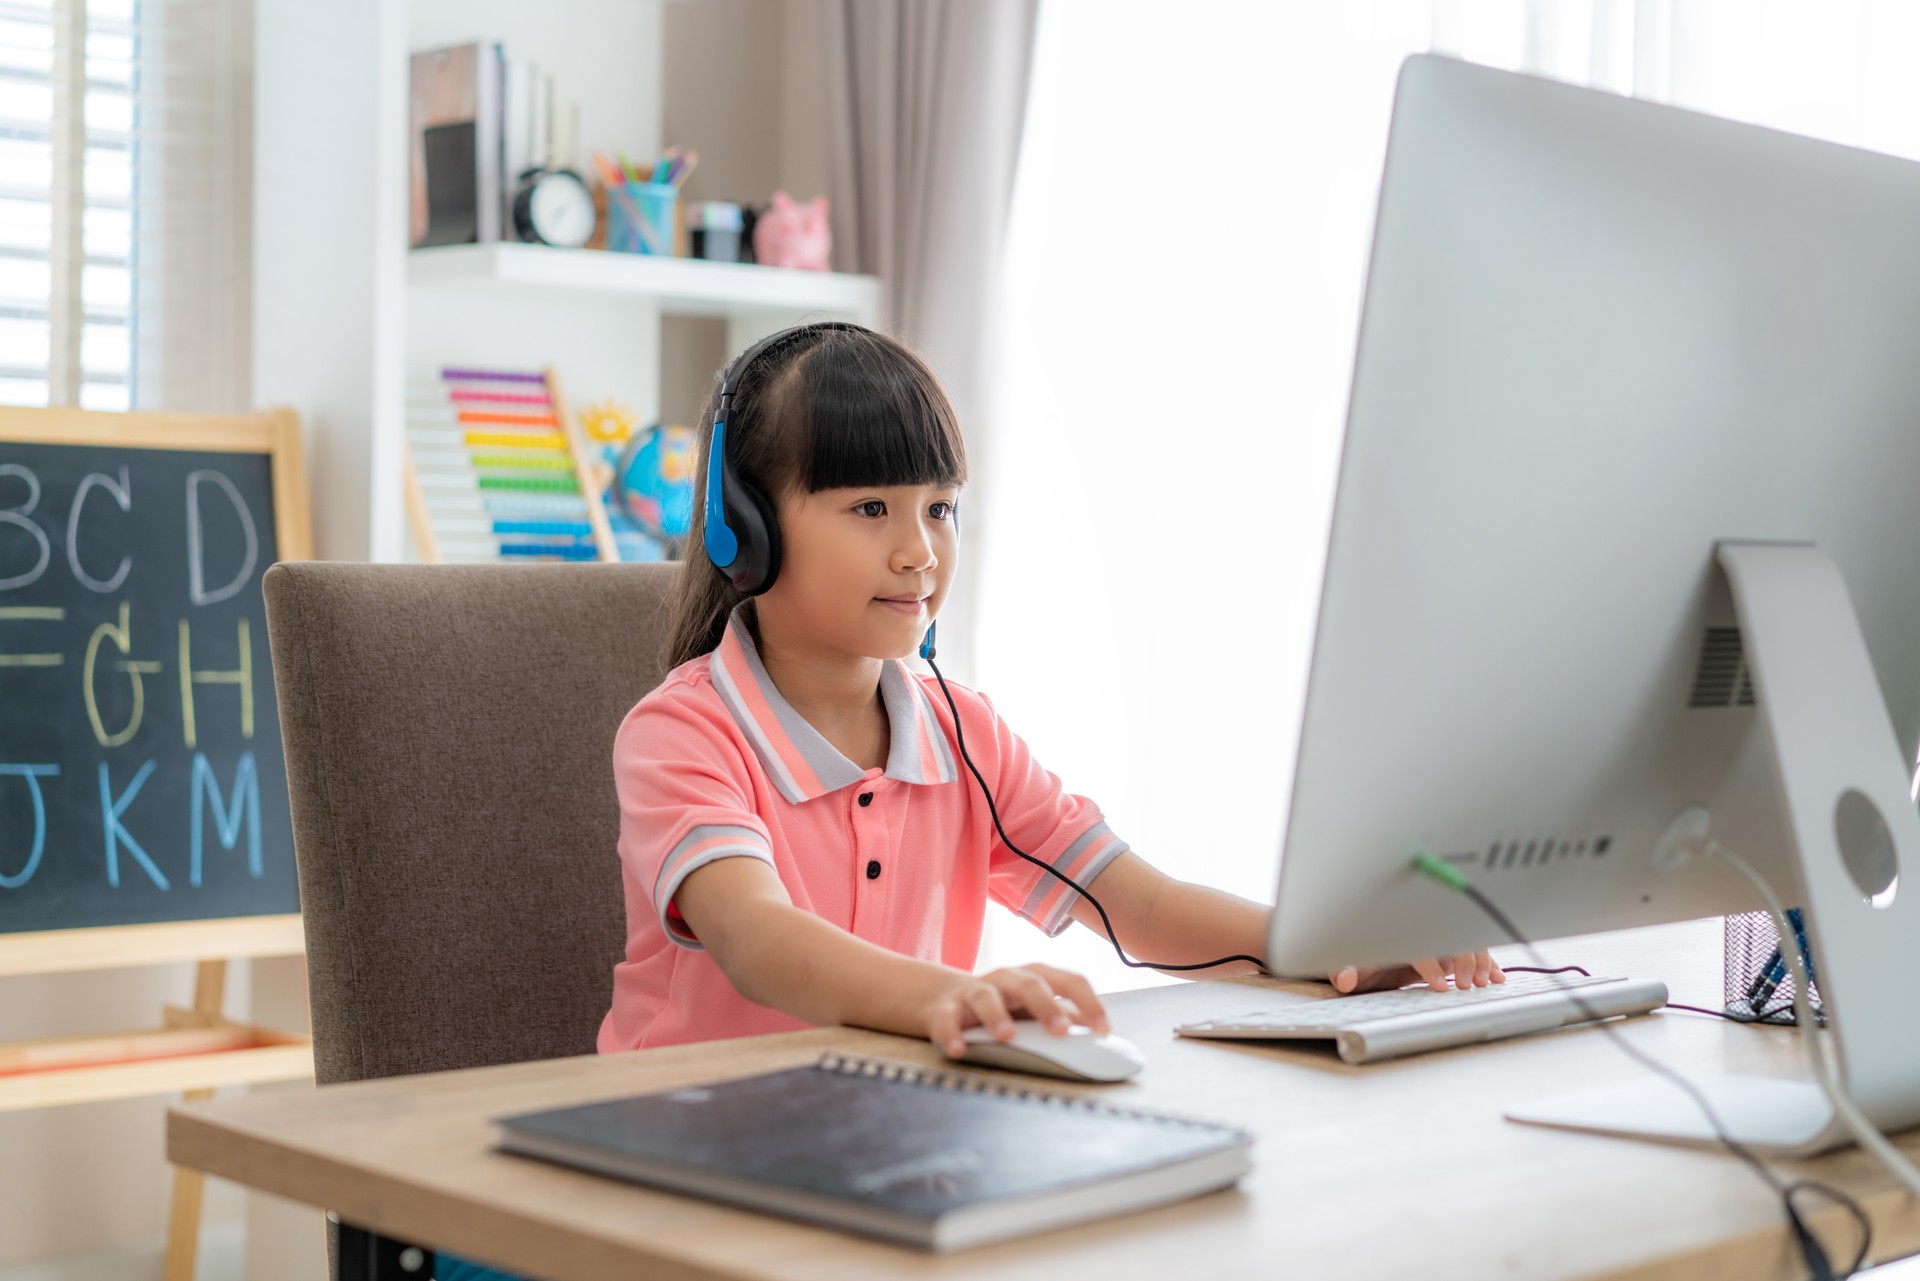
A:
[1537,851]
[1722,678]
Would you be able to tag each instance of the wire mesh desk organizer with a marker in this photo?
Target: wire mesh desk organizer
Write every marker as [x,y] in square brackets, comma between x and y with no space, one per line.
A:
[1758,978]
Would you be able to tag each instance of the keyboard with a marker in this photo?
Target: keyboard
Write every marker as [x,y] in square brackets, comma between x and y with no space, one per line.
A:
[1384,1025]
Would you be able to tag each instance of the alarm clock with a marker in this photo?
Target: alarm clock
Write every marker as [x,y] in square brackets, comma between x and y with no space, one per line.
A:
[553,207]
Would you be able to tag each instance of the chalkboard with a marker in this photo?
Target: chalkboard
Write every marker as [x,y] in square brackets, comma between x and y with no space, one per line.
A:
[141,775]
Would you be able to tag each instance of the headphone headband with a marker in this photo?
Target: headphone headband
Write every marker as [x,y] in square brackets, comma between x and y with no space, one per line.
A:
[730,380]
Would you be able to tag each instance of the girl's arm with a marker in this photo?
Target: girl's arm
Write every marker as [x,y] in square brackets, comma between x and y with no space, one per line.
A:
[1160,919]
[784,957]
[1157,918]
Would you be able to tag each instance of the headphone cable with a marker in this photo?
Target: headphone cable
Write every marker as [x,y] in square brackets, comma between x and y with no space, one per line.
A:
[961,737]
[1811,1250]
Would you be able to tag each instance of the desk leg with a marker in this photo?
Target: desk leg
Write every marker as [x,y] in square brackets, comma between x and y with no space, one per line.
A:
[368,1256]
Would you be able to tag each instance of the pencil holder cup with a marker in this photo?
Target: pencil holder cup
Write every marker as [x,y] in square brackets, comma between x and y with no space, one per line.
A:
[641,218]
[1757,980]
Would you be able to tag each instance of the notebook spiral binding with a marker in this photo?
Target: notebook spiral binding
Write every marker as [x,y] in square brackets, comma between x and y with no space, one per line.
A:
[973,1083]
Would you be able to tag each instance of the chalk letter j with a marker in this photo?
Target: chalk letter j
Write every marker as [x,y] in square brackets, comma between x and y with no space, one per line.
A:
[33,774]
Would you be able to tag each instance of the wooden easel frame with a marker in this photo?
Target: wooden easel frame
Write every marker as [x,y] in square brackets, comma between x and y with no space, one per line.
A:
[196,1048]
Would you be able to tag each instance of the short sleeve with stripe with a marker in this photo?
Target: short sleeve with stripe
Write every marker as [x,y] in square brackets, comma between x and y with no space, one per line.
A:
[716,764]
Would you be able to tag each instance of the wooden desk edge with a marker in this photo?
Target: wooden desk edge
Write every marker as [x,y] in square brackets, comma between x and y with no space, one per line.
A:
[229,1146]
[405,1212]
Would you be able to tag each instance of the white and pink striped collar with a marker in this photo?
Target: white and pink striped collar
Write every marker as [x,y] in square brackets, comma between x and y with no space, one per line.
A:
[799,760]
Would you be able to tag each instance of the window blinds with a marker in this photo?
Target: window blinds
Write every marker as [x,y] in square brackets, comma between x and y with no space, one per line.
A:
[122,204]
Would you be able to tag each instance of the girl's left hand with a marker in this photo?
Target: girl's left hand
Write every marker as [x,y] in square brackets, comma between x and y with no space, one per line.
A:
[1475,970]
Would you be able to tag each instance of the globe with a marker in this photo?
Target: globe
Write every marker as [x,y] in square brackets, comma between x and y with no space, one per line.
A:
[652,489]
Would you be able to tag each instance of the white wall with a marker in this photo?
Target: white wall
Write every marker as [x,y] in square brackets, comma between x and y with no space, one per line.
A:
[1181,480]
[329,253]
[90,1178]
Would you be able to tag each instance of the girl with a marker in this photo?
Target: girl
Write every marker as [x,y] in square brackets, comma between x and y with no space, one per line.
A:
[802,838]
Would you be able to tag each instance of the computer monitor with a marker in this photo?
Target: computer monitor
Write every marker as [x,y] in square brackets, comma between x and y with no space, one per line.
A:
[1632,465]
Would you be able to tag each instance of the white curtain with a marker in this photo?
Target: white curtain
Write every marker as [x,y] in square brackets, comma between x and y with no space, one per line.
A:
[1186,256]
[928,102]
[194,206]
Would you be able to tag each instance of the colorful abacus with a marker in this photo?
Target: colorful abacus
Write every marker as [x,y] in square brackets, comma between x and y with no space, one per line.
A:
[495,473]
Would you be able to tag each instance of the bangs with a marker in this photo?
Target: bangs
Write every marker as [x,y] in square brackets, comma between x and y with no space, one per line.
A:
[876,416]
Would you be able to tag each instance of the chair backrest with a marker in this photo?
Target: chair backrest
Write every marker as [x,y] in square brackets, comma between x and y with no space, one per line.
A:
[449,739]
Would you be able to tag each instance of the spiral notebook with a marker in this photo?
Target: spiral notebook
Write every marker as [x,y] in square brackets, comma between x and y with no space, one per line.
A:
[939,1160]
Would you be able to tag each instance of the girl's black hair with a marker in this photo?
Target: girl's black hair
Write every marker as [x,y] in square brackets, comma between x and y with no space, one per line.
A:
[824,408]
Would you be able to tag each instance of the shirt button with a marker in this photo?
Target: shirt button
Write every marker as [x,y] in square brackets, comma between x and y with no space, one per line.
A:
[873,869]
[866,799]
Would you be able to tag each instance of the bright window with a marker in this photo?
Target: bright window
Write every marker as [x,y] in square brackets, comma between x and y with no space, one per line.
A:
[1186,259]
[68,87]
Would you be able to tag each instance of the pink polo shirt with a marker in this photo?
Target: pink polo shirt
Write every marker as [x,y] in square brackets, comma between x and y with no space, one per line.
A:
[716,764]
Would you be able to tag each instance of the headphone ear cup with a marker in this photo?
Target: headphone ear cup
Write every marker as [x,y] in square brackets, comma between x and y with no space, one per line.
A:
[758,530]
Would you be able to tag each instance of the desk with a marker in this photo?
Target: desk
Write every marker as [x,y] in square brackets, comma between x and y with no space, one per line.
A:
[1397,1169]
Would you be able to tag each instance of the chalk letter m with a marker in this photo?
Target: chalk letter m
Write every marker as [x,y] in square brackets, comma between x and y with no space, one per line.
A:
[227,819]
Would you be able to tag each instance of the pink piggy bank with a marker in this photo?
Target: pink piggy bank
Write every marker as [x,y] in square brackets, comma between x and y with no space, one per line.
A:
[793,235]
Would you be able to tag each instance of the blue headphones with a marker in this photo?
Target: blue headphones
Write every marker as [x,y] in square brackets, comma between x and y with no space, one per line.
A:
[741,533]
[740,530]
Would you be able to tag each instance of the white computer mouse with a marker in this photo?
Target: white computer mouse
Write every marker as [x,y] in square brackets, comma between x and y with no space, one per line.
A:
[1080,1055]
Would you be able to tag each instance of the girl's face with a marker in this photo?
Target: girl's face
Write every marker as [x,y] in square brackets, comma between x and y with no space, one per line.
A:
[865,570]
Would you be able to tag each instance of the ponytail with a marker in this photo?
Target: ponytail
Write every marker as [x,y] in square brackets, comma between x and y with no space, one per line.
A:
[703,598]
[702,603]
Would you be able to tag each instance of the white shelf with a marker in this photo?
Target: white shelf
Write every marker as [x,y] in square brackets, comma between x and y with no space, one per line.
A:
[679,286]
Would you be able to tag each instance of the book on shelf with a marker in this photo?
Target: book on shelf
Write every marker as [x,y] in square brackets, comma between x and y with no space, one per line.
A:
[479,125]
[454,145]
[940,1160]
[517,131]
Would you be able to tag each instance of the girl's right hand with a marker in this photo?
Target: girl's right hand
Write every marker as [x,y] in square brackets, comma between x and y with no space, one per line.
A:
[1055,998]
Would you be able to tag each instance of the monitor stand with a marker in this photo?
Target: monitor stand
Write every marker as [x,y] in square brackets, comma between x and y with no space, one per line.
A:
[1844,789]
